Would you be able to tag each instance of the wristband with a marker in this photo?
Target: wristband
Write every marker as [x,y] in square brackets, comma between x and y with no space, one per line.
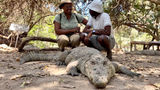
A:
[93,31]
[85,34]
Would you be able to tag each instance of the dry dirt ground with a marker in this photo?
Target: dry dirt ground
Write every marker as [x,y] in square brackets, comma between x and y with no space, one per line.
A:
[48,76]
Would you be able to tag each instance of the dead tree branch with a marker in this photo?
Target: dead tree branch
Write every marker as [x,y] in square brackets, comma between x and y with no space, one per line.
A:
[24,42]
[6,37]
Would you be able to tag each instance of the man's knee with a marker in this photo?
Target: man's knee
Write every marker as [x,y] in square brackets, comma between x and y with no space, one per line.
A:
[100,38]
[75,40]
[104,41]
[62,40]
[75,37]
[82,37]
[103,38]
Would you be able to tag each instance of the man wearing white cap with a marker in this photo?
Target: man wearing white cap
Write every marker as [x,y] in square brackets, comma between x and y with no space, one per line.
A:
[101,37]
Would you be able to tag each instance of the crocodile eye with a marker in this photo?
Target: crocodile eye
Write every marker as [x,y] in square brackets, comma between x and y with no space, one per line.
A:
[105,63]
[98,59]
[93,62]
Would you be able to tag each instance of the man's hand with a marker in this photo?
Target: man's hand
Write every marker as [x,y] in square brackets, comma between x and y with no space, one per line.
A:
[77,30]
[89,34]
[86,41]
[107,32]
[86,38]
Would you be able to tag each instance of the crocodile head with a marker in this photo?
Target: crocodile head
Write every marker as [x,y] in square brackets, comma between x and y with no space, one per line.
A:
[99,70]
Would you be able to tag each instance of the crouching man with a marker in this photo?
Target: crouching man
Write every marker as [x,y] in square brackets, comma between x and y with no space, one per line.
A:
[101,36]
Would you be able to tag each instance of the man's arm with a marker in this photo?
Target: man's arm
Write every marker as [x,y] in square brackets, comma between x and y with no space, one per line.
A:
[105,31]
[60,31]
[85,21]
[87,29]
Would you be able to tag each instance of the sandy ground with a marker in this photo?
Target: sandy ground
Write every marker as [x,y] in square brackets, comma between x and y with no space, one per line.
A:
[48,76]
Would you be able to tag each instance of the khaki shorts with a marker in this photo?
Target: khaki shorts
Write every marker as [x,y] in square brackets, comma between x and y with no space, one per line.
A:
[98,46]
[72,40]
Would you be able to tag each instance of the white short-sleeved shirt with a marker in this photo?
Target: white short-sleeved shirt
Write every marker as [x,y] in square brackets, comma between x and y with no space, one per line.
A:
[100,22]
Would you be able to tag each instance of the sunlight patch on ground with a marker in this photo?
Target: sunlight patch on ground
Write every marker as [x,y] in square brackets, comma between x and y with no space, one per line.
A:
[2,75]
[141,59]
[149,87]
[121,78]
[55,70]
[43,86]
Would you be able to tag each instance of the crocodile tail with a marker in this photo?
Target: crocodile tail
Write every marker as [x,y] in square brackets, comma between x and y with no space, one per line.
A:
[34,56]
[128,72]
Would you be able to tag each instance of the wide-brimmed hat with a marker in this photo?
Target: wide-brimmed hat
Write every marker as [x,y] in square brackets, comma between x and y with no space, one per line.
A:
[64,2]
[96,6]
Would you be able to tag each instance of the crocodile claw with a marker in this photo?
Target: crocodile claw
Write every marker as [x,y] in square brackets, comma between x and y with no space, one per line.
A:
[59,63]
[22,61]
[74,73]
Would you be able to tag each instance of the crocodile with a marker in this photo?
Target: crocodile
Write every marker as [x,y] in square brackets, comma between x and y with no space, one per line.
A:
[88,61]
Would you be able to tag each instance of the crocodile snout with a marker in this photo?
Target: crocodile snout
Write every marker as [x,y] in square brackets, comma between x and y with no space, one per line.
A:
[100,81]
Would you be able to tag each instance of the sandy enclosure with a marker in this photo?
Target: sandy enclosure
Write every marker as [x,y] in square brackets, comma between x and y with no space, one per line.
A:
[48,76]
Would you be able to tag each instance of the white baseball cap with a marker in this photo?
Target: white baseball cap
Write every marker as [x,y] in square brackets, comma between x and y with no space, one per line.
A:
[96,5]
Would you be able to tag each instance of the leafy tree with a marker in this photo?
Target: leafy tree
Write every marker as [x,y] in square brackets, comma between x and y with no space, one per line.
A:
[142,15]
[28,12]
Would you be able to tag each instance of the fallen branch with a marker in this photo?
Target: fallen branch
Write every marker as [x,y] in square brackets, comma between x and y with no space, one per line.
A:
[6,37]
[45,49]
[27,39]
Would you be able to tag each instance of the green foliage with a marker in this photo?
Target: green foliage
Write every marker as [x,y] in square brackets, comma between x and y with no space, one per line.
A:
[141,15]
[127,15]
[2,18]
[125,35]
[136,20]
[44,28]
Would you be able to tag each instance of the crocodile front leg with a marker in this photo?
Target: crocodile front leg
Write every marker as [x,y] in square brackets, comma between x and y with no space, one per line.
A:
[72,68]
[62,57]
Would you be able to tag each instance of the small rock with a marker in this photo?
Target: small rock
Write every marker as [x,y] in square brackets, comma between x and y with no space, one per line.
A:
[68,86]
[15,77]
[25,83]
